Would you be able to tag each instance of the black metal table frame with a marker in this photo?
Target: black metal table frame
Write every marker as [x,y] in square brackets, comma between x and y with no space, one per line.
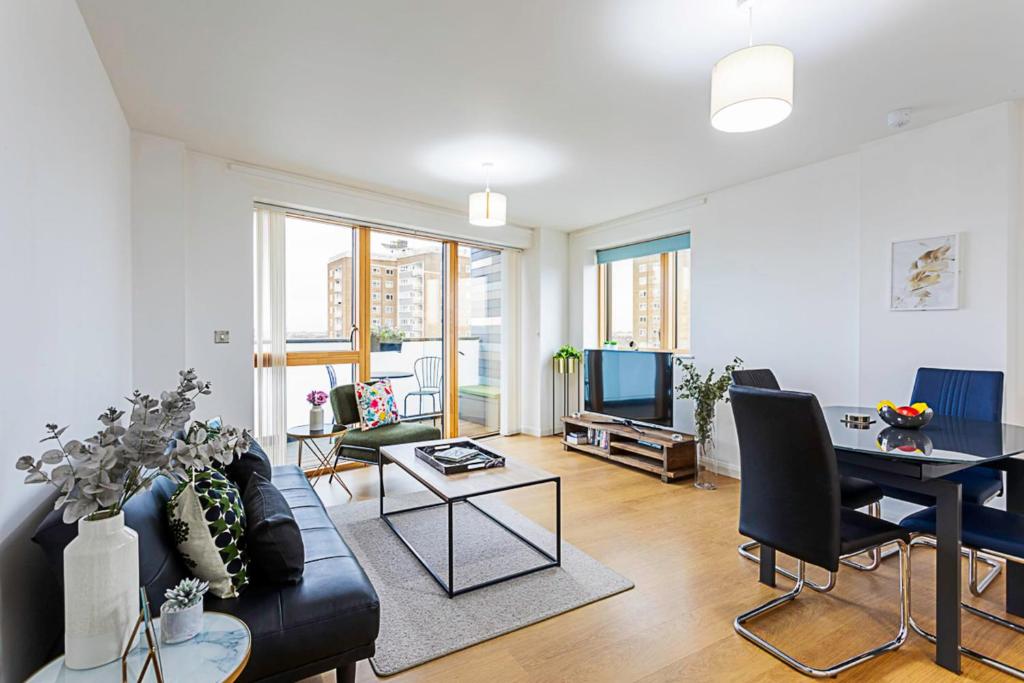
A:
[449,586]
[927,479]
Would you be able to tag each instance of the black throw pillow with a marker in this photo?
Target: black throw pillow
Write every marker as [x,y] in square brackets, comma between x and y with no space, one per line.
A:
[252,461]
[273,539]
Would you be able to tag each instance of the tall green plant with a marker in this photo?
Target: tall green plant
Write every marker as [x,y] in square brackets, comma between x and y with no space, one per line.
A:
[705,392]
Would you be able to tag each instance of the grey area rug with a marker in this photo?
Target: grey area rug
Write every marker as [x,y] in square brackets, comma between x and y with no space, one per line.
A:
[418,620]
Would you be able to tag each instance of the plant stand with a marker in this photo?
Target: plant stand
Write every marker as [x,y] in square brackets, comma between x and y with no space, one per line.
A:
[566,370]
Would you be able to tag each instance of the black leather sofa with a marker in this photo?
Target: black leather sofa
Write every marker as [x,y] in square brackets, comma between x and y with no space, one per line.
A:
[327,621]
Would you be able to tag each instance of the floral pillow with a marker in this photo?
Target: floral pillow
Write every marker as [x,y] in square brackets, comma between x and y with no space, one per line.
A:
[377,405]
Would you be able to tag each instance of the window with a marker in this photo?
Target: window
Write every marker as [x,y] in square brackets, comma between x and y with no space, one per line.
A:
[376,282]
[389,284]
[375,296]
[375,270]
[389,297]
[645,293]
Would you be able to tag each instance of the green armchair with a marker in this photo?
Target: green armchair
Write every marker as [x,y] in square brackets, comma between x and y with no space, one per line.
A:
[364,446]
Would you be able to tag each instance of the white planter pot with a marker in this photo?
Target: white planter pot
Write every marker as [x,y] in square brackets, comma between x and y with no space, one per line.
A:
[177,626]
[101,592]
[316,419]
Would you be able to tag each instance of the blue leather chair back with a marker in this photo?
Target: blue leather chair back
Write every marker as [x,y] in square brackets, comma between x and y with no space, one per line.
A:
[972,394]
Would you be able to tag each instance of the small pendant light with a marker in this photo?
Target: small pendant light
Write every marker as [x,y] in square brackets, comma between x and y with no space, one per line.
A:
[487,208]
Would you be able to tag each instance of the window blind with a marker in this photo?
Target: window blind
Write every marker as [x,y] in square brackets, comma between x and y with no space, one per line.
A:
[649,248]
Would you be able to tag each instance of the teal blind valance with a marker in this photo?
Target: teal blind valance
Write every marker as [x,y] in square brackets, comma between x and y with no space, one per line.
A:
[650,248]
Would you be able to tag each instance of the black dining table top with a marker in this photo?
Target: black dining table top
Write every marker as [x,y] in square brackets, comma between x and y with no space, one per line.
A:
[944,440]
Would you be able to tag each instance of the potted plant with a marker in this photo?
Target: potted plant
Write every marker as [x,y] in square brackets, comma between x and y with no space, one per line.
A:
[610,344]
[566,359]
[705,392]
[316,399]
[94,479]
[181,616]
[386,339]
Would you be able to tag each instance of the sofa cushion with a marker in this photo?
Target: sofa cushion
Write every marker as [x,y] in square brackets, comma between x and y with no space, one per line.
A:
[333,614]
[377,406]
[388,435]
[207,520]
[255,460]
[273,539]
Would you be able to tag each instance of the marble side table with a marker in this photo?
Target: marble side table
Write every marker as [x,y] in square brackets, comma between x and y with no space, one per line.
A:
[217,655]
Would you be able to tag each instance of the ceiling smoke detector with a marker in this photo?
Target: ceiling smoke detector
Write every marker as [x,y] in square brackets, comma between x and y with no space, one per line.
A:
[898,118]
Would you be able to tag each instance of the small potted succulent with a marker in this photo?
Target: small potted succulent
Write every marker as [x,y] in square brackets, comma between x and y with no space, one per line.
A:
[566,358]
[181,616]
[316,399]
[610,344]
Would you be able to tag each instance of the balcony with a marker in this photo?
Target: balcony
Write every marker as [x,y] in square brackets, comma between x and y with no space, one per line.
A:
[479,393]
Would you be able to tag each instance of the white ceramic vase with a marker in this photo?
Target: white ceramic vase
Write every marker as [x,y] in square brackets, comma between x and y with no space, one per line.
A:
[316,419]
[178,625]
[101,591]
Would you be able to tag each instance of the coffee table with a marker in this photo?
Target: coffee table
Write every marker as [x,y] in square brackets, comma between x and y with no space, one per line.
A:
[455,489]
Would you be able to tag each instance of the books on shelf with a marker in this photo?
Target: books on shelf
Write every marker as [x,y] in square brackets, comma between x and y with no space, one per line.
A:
[577,438]
[598,437]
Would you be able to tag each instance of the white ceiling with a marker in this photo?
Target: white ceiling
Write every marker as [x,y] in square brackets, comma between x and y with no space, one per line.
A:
[590,109]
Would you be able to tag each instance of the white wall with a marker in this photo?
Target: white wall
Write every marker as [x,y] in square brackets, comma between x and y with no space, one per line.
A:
[774,280]
[207,249]
[544,327]
[791,271]
[65,270]
[955,176]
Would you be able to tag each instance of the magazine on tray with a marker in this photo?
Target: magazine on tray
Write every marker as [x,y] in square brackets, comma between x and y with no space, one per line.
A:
[460,456]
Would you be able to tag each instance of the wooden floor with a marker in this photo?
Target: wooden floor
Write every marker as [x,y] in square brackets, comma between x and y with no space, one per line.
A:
[678,545]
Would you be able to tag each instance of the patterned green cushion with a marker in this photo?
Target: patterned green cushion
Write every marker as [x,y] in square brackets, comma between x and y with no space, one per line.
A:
[207,521]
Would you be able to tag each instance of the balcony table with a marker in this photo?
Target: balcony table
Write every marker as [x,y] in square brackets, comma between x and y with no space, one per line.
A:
[945,445]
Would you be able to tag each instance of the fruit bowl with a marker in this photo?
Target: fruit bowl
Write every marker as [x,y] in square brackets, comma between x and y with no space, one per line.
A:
[905,417]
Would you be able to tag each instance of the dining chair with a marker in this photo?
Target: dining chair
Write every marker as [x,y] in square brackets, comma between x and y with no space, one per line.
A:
[790,501]
[332,377]
[973,395]
[854,493]
[983,529]
[427,370]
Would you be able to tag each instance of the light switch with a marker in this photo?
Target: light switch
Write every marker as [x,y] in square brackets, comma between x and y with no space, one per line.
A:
[221,336]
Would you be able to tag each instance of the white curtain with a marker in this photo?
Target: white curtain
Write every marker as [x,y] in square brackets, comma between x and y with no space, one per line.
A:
[270,333]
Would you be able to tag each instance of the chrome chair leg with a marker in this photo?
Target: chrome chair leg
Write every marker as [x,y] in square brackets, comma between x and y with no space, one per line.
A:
[976,586]
[744,550]
[901,634]
[970,652]
[875,510]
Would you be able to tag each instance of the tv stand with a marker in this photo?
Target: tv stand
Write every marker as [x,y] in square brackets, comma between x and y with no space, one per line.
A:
[669,458]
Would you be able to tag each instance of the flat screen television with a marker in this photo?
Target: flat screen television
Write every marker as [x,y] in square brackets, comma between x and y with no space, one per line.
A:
[629,385]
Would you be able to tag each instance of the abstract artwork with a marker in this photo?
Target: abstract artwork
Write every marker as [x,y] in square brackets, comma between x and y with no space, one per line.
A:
[925,274]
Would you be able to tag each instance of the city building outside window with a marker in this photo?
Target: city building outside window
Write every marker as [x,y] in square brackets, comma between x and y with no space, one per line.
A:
[640,281]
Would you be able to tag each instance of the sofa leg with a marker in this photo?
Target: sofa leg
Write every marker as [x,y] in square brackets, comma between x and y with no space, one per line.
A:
[346,674]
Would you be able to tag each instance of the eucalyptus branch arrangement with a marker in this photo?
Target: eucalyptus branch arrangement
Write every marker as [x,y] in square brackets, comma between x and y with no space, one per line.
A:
[706,392]
[96,477]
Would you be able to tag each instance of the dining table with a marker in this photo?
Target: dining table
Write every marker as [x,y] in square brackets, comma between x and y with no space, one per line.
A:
[918,460]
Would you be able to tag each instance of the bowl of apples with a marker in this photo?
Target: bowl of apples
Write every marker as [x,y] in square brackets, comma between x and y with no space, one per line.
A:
[905,417]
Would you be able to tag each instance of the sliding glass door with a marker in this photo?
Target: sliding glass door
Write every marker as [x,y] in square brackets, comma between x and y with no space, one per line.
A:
[362,303]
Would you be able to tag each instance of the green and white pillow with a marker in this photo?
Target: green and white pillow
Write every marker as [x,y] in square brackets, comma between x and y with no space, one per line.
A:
[207,522]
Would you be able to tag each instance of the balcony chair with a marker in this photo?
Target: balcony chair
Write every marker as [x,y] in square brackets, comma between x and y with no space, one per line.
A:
[983,529]
[427,370]
[364,446]
[974,395]
[790,501]
[854,493]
